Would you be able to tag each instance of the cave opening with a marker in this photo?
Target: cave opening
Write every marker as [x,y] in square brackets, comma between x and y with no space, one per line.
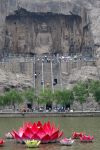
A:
[39,33]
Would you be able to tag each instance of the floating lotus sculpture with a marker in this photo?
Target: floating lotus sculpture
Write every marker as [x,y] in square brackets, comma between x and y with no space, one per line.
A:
[8,135]
[86,138]
[77,135]
[66,141]
[2,142]
[45,133]
[32,143]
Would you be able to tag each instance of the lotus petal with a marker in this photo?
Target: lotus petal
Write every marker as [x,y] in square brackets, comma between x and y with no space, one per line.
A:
[60,134]
[46,139]
[35,137]
[47,130]
[39,124]
[54,135]
[29,125]
[34,128]
[41,133]
[48,125]
[16,135]
[24,137]
[28,132]
[20,132]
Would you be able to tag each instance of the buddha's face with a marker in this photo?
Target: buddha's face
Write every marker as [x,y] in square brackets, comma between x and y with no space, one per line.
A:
[43,27]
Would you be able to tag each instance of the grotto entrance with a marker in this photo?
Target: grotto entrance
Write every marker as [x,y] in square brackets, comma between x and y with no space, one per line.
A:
[30,32]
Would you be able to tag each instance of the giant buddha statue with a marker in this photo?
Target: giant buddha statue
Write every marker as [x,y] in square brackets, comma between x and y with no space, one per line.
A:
[43,40]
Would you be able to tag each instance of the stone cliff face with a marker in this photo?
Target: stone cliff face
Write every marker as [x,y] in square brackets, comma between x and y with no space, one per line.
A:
[93,8]
[45,27]
[42,32]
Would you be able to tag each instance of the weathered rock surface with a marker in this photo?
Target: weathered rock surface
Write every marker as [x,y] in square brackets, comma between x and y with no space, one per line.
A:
[89,105]
[11,80]
[84,74]
[68,80]
[67,30]
[93,7]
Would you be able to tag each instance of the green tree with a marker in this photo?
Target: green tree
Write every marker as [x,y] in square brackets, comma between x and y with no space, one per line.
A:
[94,89]
[12,97]
[97,94]
[80,92]
[29,95]
[93,85]
[46,97]
[64,97]
[1,100]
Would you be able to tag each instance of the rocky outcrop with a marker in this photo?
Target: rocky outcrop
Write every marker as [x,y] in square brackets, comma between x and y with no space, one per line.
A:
[93,8]
[85,73]
[89,105]
[26,79]
[10,80]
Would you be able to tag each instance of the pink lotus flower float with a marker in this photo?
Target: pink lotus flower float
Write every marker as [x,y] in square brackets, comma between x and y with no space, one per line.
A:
[87,138]
[77,135]
[45,133]
[8,135]
[66,141]
[2,142]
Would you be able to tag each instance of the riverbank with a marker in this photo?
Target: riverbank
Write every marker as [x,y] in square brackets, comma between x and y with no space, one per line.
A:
[50,114]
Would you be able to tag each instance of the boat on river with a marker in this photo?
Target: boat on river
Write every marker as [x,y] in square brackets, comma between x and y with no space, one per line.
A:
[66,141]
[32,143]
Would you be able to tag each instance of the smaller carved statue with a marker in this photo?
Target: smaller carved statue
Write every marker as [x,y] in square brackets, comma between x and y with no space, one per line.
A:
[65,41]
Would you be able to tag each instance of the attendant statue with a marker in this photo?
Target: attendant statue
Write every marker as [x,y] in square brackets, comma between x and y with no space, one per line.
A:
[65,42]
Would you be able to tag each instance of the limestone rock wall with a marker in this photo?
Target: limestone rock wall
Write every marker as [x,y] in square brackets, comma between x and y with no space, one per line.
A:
[93,8]
[21,33]
[42,33]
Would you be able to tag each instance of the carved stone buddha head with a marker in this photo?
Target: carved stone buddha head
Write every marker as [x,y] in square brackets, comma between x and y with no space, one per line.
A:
[43,27]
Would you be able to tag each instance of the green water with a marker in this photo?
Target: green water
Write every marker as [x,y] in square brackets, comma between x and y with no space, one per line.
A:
[89,125]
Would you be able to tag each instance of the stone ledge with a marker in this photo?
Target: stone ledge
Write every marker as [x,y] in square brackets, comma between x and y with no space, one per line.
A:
[50,114]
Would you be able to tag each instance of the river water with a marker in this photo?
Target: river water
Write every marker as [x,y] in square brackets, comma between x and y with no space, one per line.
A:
[89,125]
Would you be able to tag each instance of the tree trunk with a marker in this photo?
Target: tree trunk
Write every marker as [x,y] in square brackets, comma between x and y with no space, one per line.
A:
[13,104]
[82,106]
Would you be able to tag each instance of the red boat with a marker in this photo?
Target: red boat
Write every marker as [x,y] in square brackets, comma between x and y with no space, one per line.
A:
[2,142]
[87,138]
[77,135]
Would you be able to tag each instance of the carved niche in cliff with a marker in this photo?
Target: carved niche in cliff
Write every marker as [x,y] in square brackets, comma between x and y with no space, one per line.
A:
[29,32]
